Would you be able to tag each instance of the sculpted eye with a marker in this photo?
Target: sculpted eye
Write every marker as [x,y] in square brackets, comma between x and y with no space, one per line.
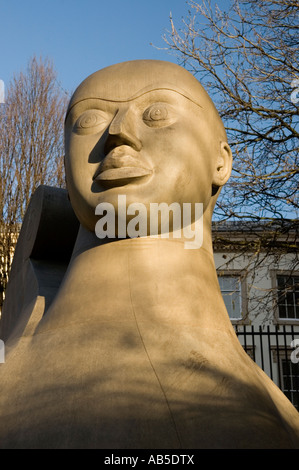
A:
[156,115]
[90,122]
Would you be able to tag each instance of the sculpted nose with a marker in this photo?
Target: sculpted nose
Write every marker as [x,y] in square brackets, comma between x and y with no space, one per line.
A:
[122,132]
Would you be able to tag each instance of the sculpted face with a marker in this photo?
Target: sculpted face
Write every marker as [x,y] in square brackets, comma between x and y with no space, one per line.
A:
[144,129]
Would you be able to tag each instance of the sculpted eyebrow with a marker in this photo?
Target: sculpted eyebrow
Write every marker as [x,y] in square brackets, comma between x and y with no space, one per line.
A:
[137,95]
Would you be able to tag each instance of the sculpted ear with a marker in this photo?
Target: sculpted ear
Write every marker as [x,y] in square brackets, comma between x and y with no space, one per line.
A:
[223,165]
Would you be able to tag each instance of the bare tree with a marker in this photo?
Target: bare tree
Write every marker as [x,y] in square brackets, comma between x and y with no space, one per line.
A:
[31,148]
[247,59]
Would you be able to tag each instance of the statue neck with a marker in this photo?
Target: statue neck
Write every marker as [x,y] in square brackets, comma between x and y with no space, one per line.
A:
[158,279]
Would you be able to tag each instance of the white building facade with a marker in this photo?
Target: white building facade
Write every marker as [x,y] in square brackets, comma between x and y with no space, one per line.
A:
[258,274]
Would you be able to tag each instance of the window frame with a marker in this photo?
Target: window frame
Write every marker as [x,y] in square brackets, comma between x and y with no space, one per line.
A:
[277,319]
[241,275]
[283,357]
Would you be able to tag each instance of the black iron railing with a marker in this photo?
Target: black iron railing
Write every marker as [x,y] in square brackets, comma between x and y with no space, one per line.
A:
[274,349]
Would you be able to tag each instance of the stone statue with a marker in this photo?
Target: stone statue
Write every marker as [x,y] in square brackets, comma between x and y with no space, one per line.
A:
[134,347]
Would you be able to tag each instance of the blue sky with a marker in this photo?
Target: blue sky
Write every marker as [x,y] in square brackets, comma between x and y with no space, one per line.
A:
[83,36]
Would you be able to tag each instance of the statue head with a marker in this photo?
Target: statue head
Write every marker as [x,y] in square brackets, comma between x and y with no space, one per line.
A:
[145,129]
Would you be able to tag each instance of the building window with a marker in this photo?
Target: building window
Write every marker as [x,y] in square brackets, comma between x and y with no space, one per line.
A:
[290,381]
[230,287]
[288,296]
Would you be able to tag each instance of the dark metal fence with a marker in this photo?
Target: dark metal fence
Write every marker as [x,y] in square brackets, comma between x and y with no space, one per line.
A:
[271,347]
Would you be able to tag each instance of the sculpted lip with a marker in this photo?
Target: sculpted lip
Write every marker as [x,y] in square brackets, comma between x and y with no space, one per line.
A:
[120,173]
[121,168]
